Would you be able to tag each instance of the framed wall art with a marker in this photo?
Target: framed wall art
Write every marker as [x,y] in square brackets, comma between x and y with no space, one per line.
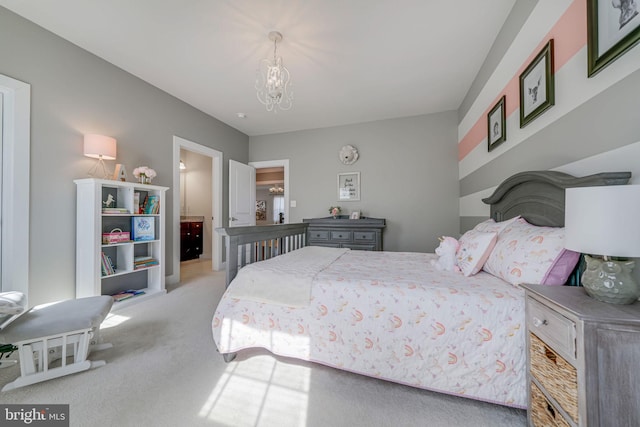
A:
[613,27]
[497,124]
[261,210]
[537,86]
[349,186]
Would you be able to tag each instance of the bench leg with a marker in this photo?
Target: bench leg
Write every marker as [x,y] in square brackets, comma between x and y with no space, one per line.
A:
[228,357]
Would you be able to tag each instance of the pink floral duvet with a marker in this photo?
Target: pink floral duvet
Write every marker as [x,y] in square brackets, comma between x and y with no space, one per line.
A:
[393,316]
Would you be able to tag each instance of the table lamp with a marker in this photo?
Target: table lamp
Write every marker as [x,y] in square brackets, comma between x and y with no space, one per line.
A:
[102,148]
[603,222]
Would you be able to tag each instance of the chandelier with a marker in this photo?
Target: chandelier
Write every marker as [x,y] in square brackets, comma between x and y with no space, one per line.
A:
[276,190]
[273,81]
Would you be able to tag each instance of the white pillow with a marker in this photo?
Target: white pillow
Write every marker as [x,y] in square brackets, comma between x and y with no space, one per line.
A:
[490,226]
[475,247]
[525,253]
[11,302]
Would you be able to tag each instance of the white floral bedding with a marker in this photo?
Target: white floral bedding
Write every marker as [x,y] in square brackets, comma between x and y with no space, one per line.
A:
[393,316]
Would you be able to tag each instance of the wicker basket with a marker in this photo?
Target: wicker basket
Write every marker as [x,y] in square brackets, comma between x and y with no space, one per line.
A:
[556,375]
[542,413]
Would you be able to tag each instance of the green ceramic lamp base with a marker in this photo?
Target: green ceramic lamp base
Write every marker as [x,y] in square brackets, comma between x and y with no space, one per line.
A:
[610,281]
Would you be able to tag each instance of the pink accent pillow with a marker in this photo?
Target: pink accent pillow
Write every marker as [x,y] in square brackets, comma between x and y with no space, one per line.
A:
[561,268]
[475,247]
[526,253]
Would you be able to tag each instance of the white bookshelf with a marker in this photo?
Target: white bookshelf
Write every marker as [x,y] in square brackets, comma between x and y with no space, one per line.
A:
[92,222]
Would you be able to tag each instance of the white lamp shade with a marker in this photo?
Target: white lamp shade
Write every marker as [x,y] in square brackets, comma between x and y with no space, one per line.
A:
[97,146]
[603,220]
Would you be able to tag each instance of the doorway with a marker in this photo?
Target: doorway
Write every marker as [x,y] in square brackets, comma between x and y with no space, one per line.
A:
[212,214]
[272,191]
[15,98]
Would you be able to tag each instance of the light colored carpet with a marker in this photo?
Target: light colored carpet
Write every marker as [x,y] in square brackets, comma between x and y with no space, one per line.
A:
[164,371]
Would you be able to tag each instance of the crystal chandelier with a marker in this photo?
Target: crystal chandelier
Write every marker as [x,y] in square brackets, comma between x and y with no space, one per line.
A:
[273,81]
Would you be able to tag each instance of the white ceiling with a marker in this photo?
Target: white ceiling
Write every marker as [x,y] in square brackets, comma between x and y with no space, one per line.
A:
[351,61]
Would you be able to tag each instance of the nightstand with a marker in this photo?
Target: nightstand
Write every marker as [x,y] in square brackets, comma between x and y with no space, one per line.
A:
[583,359]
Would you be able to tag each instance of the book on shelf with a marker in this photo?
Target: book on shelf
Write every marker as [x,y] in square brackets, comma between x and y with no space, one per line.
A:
[115,211]
[143,228]
[138,266]
[136,202]
[129,293]
[107,265]
[122,296]
[151,205]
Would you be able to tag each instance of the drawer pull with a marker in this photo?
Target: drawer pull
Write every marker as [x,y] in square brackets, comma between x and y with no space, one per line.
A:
[550,355]
[340,235]
[317,235]
[551,410]
[537,322]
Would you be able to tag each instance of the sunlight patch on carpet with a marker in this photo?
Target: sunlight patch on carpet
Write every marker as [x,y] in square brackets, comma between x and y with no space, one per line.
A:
[113,320]
[260,391]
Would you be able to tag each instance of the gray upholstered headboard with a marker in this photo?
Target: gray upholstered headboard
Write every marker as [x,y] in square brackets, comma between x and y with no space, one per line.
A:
[538,196]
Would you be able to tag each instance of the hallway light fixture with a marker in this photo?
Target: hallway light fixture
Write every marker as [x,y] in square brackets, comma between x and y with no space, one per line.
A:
[182,165]
[276,190]
[102,148]
[273,81]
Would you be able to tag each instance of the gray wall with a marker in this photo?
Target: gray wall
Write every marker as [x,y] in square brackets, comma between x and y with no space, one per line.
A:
[408,169]
[72,93]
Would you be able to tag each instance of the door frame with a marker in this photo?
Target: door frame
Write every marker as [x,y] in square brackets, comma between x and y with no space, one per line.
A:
[16,140]
[216,199]
[278,163]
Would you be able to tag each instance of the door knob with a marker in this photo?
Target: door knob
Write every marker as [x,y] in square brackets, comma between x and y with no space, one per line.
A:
[233,219]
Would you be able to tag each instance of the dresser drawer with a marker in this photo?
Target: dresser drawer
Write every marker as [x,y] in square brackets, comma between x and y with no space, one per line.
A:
[552,328]
[364,236]
[342,236]
[318,235]
[558,377]
[542,412]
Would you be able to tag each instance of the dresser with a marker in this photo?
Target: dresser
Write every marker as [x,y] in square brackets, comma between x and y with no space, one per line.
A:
[583,359]
[191,237]
[342,232]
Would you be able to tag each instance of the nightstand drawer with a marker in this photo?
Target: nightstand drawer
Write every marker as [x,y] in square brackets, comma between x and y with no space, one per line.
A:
[343,236]
[552,328]
[318,235]
[543,413]
[558,377]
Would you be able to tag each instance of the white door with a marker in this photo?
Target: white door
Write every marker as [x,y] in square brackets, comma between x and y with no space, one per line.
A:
[242,194]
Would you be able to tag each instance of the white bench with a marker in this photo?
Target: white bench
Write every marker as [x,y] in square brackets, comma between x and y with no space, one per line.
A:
[50,332]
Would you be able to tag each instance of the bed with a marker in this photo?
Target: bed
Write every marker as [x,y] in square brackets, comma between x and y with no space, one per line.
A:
[395,315]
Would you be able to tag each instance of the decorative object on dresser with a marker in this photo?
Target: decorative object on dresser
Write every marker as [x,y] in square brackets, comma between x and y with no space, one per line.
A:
[582,359]
[191,237]
[364,234]
[102,148]
[605,221]
[112,266]
[334,211]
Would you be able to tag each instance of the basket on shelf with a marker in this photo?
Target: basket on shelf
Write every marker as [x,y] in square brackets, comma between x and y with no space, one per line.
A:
[115,236]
